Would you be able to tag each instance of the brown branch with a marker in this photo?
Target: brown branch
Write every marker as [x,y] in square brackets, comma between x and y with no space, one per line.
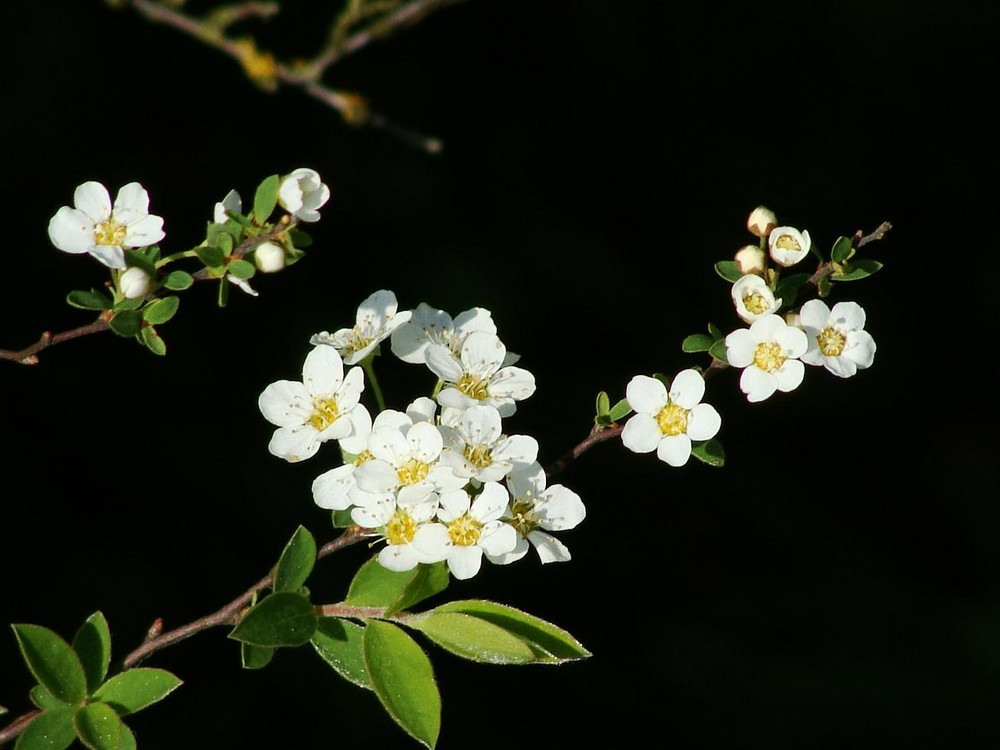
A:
[29,355]
[880,232]
[17,726]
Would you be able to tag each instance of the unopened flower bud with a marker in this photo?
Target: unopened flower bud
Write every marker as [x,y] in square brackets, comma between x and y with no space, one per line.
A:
[750,259]
[762,220]
[269,257]
[135,282]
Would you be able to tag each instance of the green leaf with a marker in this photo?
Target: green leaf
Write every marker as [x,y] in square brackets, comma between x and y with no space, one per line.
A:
[552,644]
[129,304]
[242,269]
[223,292]
[403,679]
[296,562]
[283,618]
[139,260]
[52,661]
[729,270]
[265,199]
[98,726]
[824,287]
[374,585]
[300,238]
[210,255]
[710,452]
[341,519]
[787,288]
[152,340]
[161,310]
[718,350]
[255,657]
[92,644]
[477,639]
[620,410]
[136,688]
[842,250]
[340,643]
[603,404]
[715,332]
[178,280]
[697,342]
[92,300]
[50,730]
[859,269]
[126,323]
[42,698]
[128,739]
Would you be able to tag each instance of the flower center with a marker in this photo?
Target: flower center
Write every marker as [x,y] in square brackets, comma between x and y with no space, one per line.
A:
[364,457]
[787,242]
[672,419]
[401,528]
[412,471]
[325,413]
[522,513]
[110,232]
[768,356]
[357,340]
[473,387]
[756,303]
[479,456]
[831,342]
[464,531]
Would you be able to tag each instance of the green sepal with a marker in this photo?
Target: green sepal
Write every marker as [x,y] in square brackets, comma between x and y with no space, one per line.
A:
[137,259]
[859,269]
[729,270]
[341,519]
[620,410]
[842,250]
[340,643]
[98,726]
[709,452]
[283,618]
[42,698]
[161,310]
[255,657]
[152,341]
[178,280]
[403,679]
[718,351]
[296,562]
[374,585]
[787,288]
[242,269]
[92,644]
[697,342]
[210,255]
[50,730]
[52,661]
[265,199]
[126,323]
[92,300]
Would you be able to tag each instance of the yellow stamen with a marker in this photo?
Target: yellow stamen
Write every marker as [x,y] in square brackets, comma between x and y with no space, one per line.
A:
[672,420]
[756,303]
[464,531]
[787,242]
[473,387]
[831,342]
[363,457]
[401,528]
[479,456]
[110,232]
[768,356]
[412,471]
[325,413]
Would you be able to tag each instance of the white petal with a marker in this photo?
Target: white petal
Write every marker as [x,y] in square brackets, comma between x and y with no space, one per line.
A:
[521,548]
[482,352]
[323,370]
[646,395]
[497,538]
[848,316]
[71,230]
[144,232]
[789,375]
[860,349]
[560,509]
[757,384]
[465,562]
[94,200]
[109,255]
[842,367]
[443,363]
[294,443]
[285,403]
[549,548]
[512,382]
[399,557]
[740,348]
[131,203]
[330,488]
[641,433]
[704,422]
[454,504]
[376,476]
[674,449]
[793,341]
[490,504]
[687,389]
[815,314]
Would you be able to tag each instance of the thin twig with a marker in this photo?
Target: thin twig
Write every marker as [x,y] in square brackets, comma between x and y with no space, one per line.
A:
[29,355]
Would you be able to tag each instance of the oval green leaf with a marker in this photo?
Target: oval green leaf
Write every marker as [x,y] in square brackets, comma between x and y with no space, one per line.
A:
[50,730]
[98,726]
[403,679]
[859,269]
[718,351]
[603,403]
[255,657]
[697,342]
[134,689]
[126,323]
[92,644]
[242,269]
[842,250]
[340,643]
[178,280]
[161,310]
[620,410]
[476,639]
[91,300]
[265,198]
[374,585]
[709,452]
[52,661]
[127,741]
[210,255]
[296,562]
[729,270]
[153,341]
[42,698]
[139,259]
[283,618]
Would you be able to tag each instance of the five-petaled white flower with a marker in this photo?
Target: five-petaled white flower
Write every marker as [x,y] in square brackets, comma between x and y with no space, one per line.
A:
[667,421]
[322,407]
[533,507]
[788,245]
[467,528]
[476,448]
[302,193]
[94,226]
[397,525]
[768,352]
[837,339]
[376,319]
[753,298]
[429,326]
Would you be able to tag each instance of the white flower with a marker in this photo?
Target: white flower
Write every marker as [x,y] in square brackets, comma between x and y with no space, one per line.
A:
[94,226]
[753,298]
[788,245]
[232,203]
[430,326]
[750,259]
[533,506]
[837,339]
[667,421]
[398,525]
[270,257]
[476,448]
[466,529]
[768,351]
[477,375]
[318,409]
[761,221]
[376,319]
[135,282]
[302,193]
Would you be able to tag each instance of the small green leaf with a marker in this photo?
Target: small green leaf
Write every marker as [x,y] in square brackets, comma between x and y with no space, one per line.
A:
[715,332]
[92,644]
[50,730]
[603,404]
[137,688]
[210,255]
[824,287]
[859,269]
[139,260]
[98,726]
[341,519]
[129,304]
[403,679]
[178,280]
[128,739]
[161,310]
[374,585]
[223,292]
[92,300]
[729,270]
[265,199]
[242,269]
[52,661]
[697,342]
[842,250]
[300,238]
[283,618]
[787,288]
[620,410]
[709,452]
[340,643]
[152,340]
[718,350]
[126,323]
[42,698]
[255,657]
[296,561]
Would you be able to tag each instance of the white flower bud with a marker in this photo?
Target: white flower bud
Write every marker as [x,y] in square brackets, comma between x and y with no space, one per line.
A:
[762,220]
[302,193]
[750,259]
[135,282]
[269,257]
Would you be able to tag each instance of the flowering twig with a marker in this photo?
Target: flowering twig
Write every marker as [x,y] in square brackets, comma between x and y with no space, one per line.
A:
[29,355]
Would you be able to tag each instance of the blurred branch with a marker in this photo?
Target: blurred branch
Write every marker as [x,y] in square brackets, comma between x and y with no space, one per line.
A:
[358,24]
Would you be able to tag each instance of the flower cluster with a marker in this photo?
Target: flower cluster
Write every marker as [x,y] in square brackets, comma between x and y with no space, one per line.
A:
[440,480]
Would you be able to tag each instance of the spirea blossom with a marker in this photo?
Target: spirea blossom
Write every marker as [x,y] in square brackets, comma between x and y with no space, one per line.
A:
[428,325]
[753,298]
[397,524]
[837,339]
[476,448]
[376,319]
[302,193]
[768,352]
[93,225]
[788,245]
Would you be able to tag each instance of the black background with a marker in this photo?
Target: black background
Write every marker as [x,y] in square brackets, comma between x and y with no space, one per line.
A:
[835,584]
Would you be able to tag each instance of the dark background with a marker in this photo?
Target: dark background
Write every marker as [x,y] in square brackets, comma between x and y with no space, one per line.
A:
[837,583]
